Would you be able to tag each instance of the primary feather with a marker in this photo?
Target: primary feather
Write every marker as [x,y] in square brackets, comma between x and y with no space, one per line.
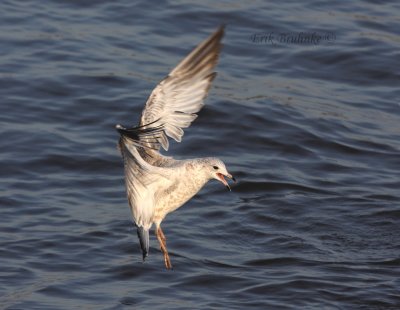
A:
[178,97]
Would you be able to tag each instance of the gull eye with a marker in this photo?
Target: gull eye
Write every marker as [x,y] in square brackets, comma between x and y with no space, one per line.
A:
[215,167]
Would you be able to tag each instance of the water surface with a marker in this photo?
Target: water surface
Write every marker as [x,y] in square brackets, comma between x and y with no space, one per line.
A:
[311,131]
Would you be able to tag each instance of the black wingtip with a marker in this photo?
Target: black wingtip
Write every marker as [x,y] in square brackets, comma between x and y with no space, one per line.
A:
[143,136]
[146,129]
[143,235]
[121,129]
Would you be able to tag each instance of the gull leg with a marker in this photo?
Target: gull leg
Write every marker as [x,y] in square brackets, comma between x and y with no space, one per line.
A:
[163,246]
[166,256]
[163,237]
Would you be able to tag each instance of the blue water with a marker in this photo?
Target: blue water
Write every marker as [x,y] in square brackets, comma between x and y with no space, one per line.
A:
[310,129]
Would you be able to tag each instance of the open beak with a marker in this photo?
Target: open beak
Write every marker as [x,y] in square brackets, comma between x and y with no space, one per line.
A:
[222,179]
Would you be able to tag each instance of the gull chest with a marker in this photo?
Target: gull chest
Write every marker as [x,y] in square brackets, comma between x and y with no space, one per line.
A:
[178,193]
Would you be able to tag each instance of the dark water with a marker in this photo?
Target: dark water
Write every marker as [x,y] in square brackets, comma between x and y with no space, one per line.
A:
[311,130]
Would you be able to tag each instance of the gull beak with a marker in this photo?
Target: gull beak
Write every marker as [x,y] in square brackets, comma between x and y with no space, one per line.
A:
[222,179]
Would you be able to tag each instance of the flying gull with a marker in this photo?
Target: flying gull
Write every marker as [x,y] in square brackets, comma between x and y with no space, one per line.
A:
[156,184]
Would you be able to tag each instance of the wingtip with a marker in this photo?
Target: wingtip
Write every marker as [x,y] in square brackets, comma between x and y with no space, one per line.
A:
[220,32]
[119,128]
[221,28]
[143,235]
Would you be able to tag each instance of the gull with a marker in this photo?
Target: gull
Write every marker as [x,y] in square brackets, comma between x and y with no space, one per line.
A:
[156,184]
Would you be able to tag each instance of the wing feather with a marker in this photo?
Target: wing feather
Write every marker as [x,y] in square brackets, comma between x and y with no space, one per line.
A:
[140,176]
[177,98]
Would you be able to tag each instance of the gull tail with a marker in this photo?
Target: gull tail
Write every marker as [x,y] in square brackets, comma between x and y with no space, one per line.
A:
[143,235]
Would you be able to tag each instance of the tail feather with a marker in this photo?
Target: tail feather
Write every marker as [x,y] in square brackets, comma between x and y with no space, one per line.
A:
[143,235]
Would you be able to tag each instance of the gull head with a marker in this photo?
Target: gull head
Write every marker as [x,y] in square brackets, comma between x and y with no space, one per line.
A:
[217,170]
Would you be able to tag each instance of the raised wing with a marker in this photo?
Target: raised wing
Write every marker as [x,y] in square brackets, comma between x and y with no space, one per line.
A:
[175,101]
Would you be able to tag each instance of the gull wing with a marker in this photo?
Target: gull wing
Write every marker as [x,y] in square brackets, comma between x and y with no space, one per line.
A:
[140,177]
[175,101]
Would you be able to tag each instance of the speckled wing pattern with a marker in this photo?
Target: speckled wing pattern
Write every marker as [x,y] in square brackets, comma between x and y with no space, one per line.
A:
[175,101]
